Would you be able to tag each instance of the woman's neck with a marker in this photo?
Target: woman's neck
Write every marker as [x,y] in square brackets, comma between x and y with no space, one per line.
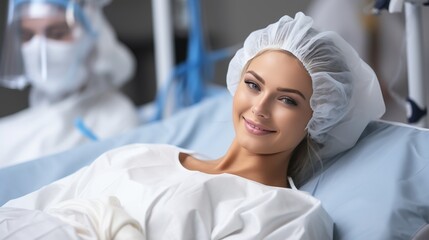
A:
[268,169]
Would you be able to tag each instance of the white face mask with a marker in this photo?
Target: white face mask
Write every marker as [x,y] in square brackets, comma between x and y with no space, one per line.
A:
[54,67]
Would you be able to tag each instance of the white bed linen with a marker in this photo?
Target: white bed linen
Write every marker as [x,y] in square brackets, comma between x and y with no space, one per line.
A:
[172,202]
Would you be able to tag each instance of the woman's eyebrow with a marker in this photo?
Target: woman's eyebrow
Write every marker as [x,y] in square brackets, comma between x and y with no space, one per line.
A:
[291,91]
[259,78]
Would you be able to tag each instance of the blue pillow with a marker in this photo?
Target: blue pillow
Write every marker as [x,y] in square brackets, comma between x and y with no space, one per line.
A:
[379,189]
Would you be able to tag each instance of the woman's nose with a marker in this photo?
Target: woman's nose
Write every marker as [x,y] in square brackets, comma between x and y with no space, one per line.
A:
[260,109]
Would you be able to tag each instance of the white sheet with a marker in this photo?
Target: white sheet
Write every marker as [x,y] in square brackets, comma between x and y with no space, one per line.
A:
[171,202]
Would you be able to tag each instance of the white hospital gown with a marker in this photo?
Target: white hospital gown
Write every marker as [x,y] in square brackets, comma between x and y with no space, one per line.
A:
[144,189]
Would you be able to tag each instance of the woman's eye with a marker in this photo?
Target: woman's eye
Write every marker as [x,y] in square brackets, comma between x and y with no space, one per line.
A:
[252,85]
[289,101]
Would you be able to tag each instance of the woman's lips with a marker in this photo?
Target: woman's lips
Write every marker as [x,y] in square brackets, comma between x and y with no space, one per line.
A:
[256,129]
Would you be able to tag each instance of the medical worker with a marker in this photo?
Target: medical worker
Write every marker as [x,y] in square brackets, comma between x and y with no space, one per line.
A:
[68,54]
[299,96]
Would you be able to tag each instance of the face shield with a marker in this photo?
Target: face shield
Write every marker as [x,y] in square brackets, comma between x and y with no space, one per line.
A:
[46,44]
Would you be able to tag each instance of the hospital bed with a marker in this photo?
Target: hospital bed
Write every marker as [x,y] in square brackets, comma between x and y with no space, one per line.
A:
[379,189]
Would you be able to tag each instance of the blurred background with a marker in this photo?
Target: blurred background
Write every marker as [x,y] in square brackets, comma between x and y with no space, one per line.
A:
[225,23]
[379,39]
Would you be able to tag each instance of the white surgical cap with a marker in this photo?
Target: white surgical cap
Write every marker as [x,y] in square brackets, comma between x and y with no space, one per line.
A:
[114,62]
[346,93]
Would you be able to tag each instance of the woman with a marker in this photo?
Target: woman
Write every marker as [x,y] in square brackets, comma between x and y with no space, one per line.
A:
[67,52]
[295,96]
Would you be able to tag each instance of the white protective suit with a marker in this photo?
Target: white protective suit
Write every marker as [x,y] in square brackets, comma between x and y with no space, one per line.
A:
[48,125]
[44,130]
[143,191]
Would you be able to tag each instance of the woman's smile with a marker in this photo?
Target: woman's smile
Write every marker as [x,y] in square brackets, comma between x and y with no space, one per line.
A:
[272,103]
[256,129]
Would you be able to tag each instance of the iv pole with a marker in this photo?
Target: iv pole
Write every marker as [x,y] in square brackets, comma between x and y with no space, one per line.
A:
[416,101]
[417,109]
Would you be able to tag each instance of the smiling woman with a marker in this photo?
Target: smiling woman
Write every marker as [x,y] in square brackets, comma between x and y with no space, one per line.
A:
[272,101]
[271,110]
[294,94]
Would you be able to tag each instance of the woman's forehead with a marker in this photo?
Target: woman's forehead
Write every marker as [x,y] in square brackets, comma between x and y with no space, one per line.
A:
[280,61]
[282,70]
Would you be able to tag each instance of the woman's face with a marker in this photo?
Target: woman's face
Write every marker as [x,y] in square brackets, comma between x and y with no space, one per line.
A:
[271,105]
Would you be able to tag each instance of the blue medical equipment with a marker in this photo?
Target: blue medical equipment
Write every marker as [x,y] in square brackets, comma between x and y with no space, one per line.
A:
[84,129]
[187,83]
